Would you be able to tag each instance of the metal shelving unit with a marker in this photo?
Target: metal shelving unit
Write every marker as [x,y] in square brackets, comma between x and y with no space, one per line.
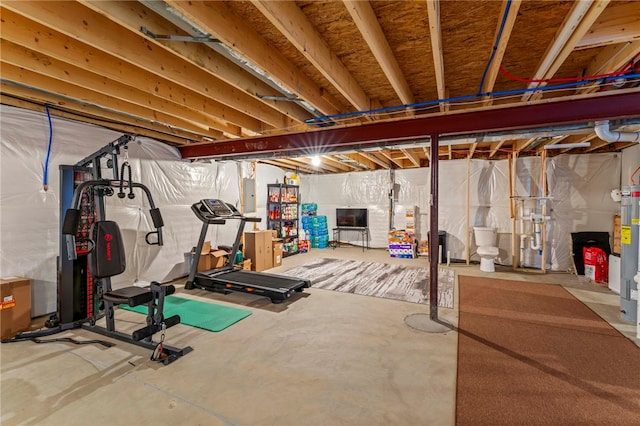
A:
[283,214]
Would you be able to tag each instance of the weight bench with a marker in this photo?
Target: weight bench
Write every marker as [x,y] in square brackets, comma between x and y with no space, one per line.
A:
[107,259]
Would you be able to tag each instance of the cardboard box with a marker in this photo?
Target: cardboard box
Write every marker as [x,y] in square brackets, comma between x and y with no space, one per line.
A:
[406,251]
[258,247]
[204,261]
[277,254]
[15,306]
[617,234]
[218,258]
[210,259]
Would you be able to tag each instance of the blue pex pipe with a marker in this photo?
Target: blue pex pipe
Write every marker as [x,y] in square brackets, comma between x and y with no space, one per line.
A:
[495,45]
[45,179]
[320,120]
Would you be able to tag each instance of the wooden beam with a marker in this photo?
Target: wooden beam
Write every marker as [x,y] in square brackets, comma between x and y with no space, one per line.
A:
[304,163]
[82,95]
[217,19]
[618,23]
[427,153]
[133,15]
[594,144]
[610,59]
[89,27]
[495,146]
[25,98]
[41,39]
[386,154]
[494,67]
[433,11]
[415,160]
[522,145]
[365,19]
[472,149]
[373,157]
[575,26]
[370,164]
[287,166]
[294,25]
[26,58]
[345,167]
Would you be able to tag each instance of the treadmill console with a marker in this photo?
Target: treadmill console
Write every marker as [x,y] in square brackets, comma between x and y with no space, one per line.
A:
[217,208]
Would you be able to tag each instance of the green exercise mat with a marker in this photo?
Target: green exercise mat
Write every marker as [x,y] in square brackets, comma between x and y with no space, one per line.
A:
[207,316]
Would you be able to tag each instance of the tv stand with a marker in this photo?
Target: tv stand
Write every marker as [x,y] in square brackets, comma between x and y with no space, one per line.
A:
[363,231]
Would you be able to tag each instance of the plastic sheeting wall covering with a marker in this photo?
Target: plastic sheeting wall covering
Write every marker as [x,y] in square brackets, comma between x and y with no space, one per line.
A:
[579,185]
[29,216]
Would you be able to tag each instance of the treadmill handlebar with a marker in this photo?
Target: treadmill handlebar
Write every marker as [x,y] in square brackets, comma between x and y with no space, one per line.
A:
[205,216]
[216,212]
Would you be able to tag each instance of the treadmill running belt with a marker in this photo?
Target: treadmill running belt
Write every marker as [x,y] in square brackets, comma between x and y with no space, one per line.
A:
[257,279]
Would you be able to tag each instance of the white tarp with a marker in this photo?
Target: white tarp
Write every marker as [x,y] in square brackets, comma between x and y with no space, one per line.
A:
[30,216]
[578,186]
[471,193]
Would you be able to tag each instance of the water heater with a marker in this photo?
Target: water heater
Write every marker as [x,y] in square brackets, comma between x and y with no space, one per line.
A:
[629,237]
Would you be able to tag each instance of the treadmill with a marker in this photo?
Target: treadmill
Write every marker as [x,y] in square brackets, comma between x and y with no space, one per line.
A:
[228,279]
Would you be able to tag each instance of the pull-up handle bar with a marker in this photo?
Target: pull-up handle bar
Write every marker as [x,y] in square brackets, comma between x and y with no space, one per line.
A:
[72,215]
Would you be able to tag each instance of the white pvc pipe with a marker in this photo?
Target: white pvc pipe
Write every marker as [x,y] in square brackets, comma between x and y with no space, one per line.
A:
[523,237]
[568,145]
[602,130]
[536,241]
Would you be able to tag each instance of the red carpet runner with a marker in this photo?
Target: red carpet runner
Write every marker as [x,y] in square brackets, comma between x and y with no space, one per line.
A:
[532,354]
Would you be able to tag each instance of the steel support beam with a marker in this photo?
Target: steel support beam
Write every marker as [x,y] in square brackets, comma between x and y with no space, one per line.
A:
[577,109]
[434,239]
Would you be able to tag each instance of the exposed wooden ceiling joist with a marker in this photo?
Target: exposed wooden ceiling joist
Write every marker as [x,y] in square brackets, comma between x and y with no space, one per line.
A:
[24,98]
[617,24]
[502,34]
[133,15]
[198,71]
[44,40]
[89,27]
[375,158]
[433,9]
[367,22]
[217,19]
[294,25]
[573,29]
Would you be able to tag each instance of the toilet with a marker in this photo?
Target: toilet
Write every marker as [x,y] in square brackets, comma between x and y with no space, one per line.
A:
[487,250]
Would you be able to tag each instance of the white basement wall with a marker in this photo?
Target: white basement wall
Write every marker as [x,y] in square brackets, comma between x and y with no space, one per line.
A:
[476,193]
[30,216]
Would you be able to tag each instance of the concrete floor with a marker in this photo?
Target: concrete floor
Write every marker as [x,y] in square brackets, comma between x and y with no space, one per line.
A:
[322,358]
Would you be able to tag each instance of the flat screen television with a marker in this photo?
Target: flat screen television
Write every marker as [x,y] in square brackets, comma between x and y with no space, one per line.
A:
[352,218]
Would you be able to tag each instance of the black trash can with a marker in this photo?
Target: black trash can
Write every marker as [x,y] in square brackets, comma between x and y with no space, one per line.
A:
[442,243]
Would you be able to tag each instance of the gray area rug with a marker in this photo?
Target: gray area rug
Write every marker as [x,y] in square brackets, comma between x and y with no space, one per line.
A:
[397,282]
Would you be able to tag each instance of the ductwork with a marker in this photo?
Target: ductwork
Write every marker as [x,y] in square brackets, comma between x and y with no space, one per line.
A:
[602,130]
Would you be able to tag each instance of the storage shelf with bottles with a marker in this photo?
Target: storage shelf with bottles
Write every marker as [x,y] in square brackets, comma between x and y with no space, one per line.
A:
[283,214]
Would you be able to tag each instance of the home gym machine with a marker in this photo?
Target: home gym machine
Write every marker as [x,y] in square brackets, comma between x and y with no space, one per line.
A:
[92,251]
[228,279]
